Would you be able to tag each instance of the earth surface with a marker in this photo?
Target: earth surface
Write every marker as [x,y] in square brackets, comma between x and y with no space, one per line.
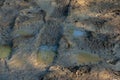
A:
[59,39]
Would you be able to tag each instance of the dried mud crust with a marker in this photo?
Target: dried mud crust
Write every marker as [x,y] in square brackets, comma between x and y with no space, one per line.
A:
[79,73]
[99,18]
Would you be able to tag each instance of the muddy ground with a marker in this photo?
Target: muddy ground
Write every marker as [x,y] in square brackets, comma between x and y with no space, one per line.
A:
[59,39]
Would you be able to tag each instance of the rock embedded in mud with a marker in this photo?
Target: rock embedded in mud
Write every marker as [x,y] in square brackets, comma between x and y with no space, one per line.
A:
[104,75]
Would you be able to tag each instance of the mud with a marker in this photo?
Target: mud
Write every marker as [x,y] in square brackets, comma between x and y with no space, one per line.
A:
[59,40]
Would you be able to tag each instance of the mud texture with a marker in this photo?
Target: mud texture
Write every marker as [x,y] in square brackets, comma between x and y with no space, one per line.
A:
[59,39]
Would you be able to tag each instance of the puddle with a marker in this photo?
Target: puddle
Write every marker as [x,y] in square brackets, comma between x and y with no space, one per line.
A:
[45,57]
[4,51]
[45,47]
[24,33]
[46,54]
[87,58]
[78,33]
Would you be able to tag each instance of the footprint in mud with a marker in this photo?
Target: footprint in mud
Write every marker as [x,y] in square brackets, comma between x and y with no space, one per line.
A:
[51,34]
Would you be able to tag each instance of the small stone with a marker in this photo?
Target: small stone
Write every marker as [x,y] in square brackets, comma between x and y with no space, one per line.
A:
[104,75]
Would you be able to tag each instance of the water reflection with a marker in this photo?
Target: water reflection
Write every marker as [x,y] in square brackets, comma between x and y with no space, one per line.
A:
[78,33]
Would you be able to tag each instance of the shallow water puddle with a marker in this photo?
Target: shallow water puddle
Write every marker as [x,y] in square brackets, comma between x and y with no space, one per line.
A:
[87,58]
[45,47]
[4,51]
[46,57]
[46,54]
[78,33]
